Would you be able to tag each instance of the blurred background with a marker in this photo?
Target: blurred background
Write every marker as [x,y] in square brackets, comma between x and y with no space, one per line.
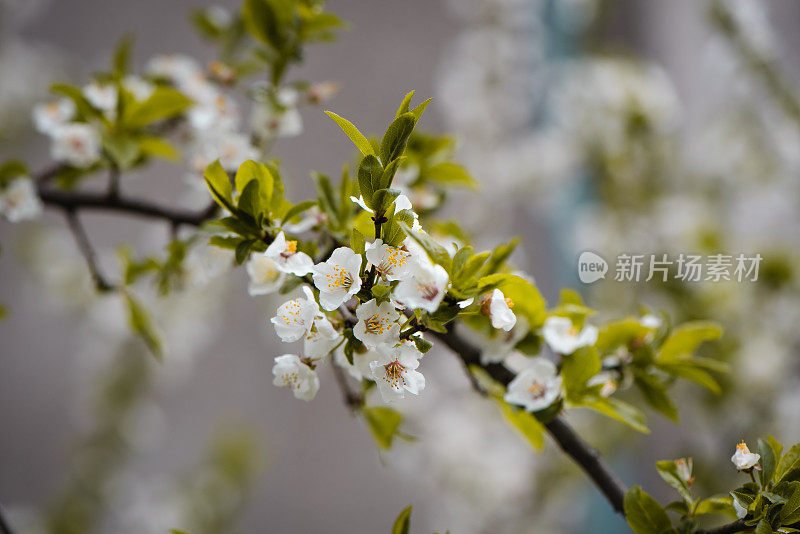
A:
[626,126]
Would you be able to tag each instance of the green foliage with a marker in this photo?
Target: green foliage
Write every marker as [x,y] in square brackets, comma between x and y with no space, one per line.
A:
[669,471]
[12,169]
[524,422]
[619,410]
[436,252]
[576,370]
[384,424]
[358,139]
[644,514]
[142,325]
[402,523]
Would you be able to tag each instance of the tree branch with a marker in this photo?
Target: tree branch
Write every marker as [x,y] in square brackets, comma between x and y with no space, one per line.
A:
[85,246]
[585,456]
[105,202]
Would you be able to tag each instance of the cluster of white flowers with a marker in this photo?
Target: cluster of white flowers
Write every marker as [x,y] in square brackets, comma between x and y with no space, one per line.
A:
[19,201]
[390,356]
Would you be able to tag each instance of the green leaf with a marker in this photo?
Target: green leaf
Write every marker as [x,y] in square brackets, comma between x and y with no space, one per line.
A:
[420,109]
[163,103]
[267,20]
[250,200]
[655,393]
[142,325]
[122,56]
[685,339]
[84,108]
[644,514]
[383,199]
[405,104]
[668,469]
[219,183]
[387,177]
[437,253]
[525,422]
[460,259]
[688,370]
[297,209]
[715,505]
[789,462]
[790,513]
[767,461]
[620,333]
[577,369]
[357,242]
[763,527]
[528,302]
[159,148]
[394,140]
[422,344]
[499,256]
[453,174]
[122,148]
[619,410]
[327,198]
[243,250]
[251,170]
[402,523]
[384,424]
[225,241]
[369,173]
[352,132]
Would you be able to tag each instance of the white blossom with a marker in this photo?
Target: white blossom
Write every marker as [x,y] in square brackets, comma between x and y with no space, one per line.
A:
[425,289]
[286,257]
[295,317]
[19,201]
[338,278]
[564,338]
[140,88]
[291,372]
[395,372]
[500,312]
[321,339]
[77,144]
[391,262]
[219,113]
[177,68]
[278,118]
[499,347]
[743,459]
[360,368]
[265,275]
[102,97]
[377,324]
[52,115]
[402,202]
[536,387]
[607,380]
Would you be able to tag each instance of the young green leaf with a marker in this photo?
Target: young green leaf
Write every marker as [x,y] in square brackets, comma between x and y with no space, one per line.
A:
[353,133]
[396,136]
[644,514]
[451,174]
[436,252]
[142,325]
[384,424]
[163,103]
[402,523]
[369,173]
[404,105]
[530,427]
[619,410]
[251,170]
[219,183]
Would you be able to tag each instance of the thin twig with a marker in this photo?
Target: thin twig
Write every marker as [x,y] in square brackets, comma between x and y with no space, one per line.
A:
[85,246]
[353,399]
[104,202]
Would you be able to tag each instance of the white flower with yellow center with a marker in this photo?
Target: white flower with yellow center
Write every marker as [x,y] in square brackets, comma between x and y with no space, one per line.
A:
[102,97]
[295,317]
[140,88]
[498,308]
[19,201]
[338,279]
[291,372]
[425,289]
[391,262]
[288,260]
[536,387]
[278,117]
[50,116]
[321,339]
[265,275]
[377,324]
[76,143]
[564,337]
[394,370]
[607,380]
[743,459]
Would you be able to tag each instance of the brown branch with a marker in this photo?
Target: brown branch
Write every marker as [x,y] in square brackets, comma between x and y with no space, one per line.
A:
[730,528]
[353,399]
[85,246]
[141,208]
